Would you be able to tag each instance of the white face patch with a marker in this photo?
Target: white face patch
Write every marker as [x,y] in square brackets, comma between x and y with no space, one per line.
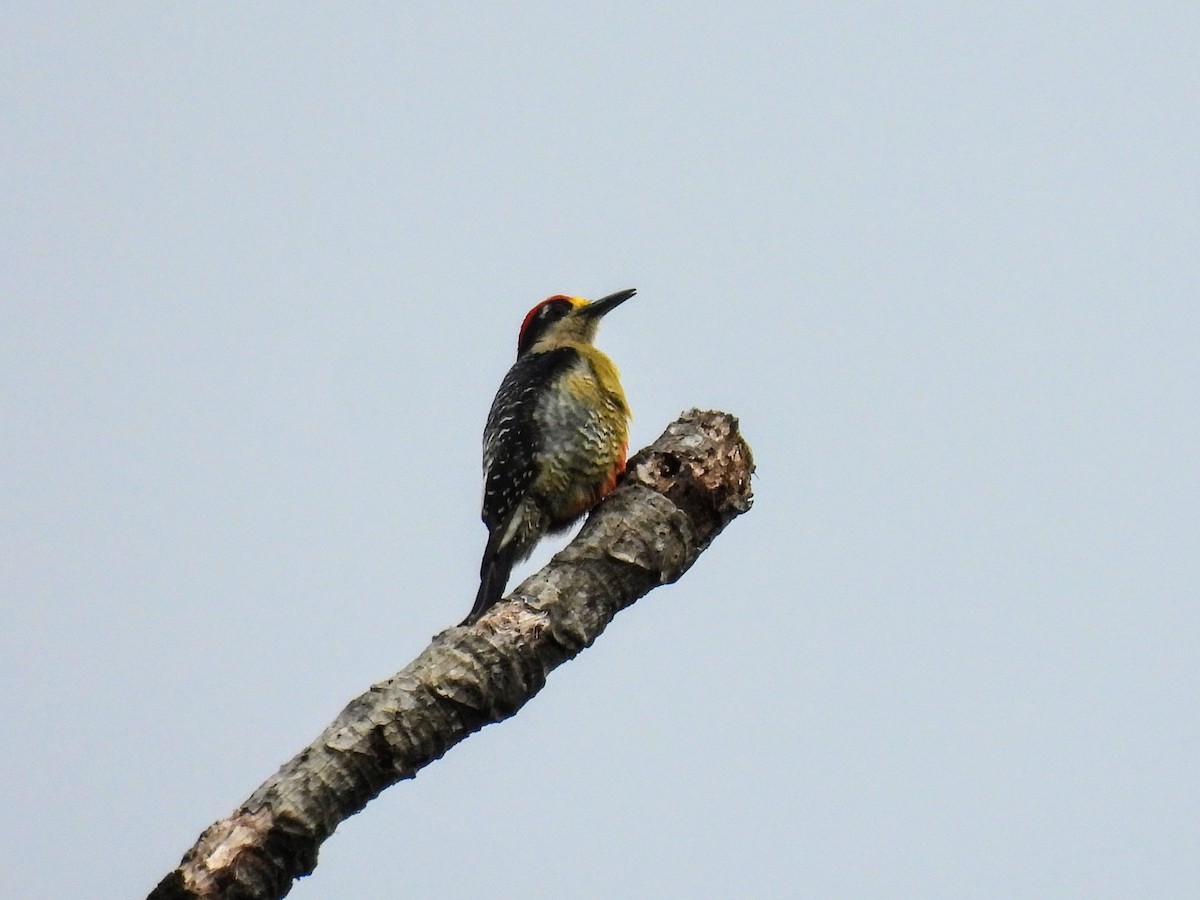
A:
[573,329]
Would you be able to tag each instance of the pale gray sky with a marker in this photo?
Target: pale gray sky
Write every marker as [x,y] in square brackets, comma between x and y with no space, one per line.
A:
[262,269]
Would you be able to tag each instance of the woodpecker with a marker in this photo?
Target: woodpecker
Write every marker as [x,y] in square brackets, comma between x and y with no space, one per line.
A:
[556,436]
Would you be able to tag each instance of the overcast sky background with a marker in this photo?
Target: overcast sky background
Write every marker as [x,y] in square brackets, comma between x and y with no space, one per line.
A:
[262,269]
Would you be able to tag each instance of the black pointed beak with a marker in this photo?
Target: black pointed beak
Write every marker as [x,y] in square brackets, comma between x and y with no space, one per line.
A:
[607,304]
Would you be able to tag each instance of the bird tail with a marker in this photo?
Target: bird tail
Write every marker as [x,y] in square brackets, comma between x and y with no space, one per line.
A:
[493,577]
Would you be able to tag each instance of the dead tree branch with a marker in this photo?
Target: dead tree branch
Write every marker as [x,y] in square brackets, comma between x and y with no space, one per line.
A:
[677,495]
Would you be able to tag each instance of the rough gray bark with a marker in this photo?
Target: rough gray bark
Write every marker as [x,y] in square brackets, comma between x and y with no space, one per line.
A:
[676,496]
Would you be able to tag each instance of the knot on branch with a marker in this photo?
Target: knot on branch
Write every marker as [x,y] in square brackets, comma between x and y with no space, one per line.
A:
[702,464]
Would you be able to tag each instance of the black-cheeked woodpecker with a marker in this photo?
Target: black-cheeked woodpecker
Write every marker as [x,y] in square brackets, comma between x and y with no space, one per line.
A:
[556,436]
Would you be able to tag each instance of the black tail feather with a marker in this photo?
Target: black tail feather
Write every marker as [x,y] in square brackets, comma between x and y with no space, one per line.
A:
[493,577]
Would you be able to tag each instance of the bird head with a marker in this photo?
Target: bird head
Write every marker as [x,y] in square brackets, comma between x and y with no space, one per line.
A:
[562,320]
